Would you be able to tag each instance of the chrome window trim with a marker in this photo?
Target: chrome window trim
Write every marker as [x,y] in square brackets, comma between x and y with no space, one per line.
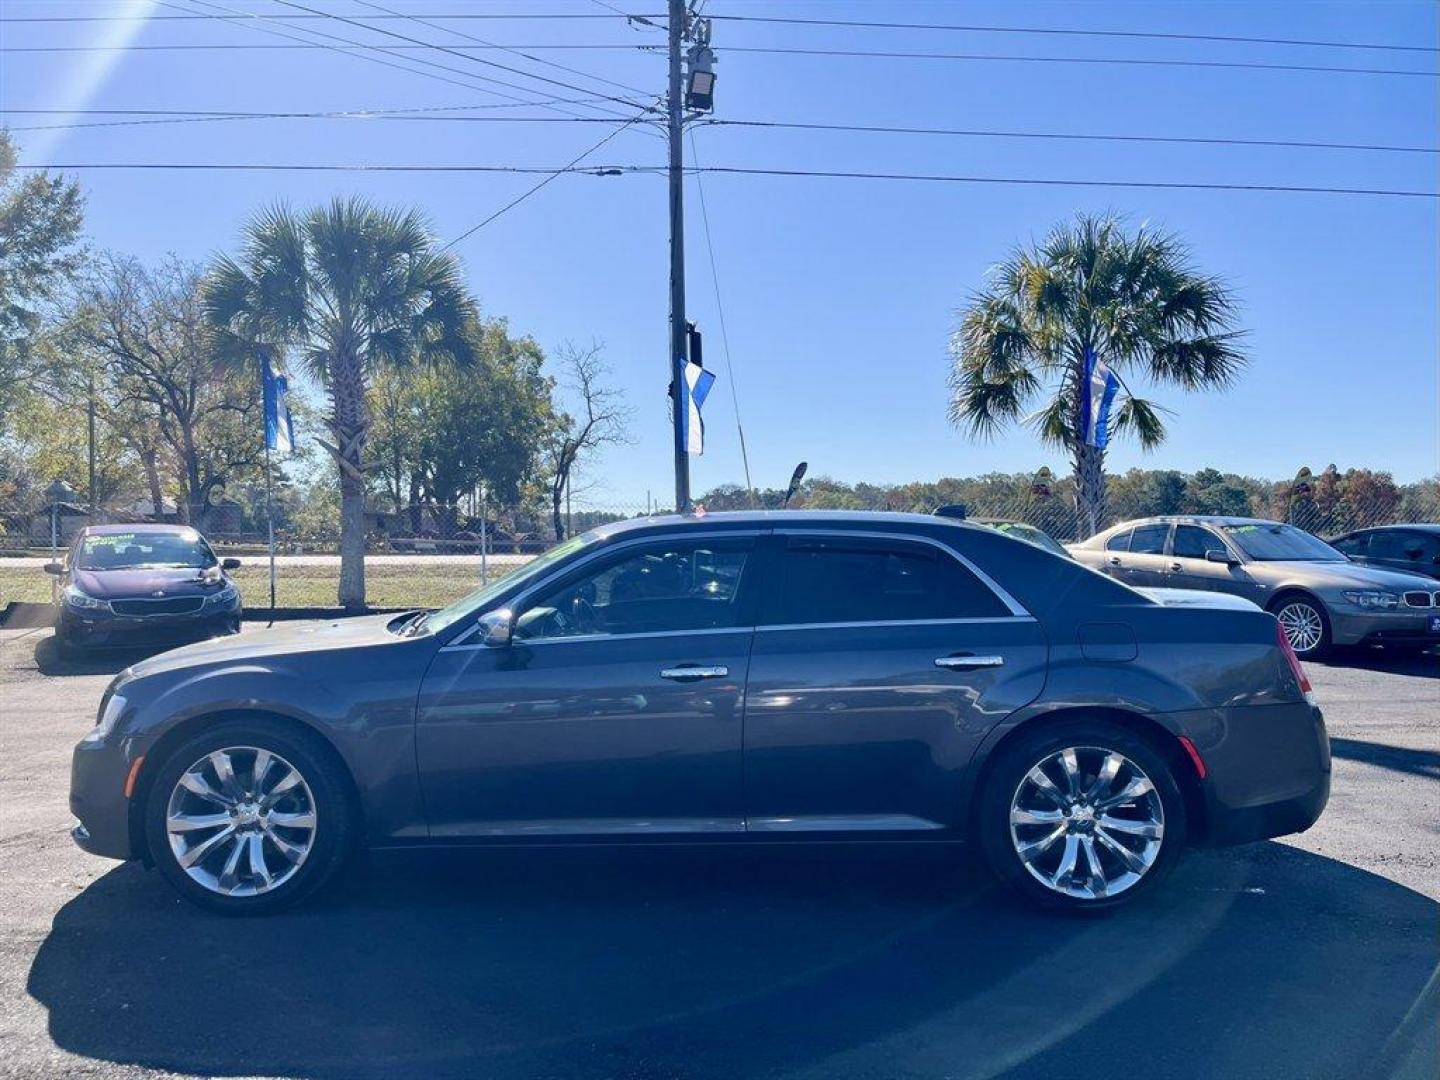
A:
[526,642]
[1016,609]
[877,623]
[517,603]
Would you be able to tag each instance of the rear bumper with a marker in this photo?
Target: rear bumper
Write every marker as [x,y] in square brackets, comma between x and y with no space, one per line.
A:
[1267,770]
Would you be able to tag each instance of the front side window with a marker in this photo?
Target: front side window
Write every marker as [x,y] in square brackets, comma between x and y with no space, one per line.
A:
[845,582]
[130,550]
[1355,546]
[1192,542]
[660,588]
[1149,540]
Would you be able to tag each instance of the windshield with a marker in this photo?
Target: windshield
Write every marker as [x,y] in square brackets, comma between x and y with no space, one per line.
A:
[486,595]
[1030,534]
[1281,543]
[126,551]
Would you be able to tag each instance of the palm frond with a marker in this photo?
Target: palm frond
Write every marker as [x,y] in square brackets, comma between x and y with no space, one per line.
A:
[1142,419]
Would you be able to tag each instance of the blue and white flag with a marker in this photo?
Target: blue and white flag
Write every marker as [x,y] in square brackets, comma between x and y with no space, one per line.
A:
[698,382]
[279,429]
[1097,394]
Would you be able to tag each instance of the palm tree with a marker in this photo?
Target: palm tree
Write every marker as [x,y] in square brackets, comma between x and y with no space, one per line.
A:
[352,287]
[1133,300]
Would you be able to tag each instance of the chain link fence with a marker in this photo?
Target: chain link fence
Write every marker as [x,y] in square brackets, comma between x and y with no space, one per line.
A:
[423,557]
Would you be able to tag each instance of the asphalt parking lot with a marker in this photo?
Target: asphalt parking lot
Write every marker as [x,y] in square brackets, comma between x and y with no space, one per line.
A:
[1311,957]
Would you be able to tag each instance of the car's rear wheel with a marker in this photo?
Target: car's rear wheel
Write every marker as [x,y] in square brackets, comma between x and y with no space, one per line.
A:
[1305,624]
[249,817]
[1081,815]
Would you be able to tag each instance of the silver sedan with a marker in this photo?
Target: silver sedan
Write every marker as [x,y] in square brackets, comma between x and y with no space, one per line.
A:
[1320,597]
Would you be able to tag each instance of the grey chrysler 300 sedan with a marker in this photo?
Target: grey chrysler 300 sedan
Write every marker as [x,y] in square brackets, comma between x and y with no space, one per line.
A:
[759,677]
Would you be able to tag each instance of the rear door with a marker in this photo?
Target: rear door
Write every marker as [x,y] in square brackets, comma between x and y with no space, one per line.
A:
[879,663]
[1144,562]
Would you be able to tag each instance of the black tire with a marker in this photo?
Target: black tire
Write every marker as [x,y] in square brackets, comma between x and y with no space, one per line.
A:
[327,795]
[1319,650]
[1006,773]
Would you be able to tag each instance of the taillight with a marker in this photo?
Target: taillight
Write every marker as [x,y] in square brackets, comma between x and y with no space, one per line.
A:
[1289,651]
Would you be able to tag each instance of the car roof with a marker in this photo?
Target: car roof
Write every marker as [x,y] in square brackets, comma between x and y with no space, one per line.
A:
[1416,526]
[784,518]
[1195,519]
[136,527]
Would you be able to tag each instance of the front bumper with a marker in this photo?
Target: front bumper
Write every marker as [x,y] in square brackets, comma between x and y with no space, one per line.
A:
[101,630]
[98,802]
[1403,626]
[1267,770]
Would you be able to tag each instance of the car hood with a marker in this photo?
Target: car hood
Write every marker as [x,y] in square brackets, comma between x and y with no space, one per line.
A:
[287,639]
[1198,598]
[145,581]
[1335,575]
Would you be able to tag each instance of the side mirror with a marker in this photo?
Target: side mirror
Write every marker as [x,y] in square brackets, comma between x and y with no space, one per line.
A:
[53,568]
[1215,555]
[229,564]
[497,628]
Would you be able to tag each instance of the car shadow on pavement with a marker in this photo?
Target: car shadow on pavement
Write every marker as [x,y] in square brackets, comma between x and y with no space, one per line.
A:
[1424,763]
[702,963]
[107,662]
[1426,664]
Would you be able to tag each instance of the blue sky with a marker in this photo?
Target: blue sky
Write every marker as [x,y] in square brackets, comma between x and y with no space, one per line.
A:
[839,294]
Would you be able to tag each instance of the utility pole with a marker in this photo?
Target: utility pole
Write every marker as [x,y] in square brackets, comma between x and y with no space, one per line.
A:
[679,19]
[90,423]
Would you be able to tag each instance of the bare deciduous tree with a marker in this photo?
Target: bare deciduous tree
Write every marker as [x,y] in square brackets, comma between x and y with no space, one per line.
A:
[600,418]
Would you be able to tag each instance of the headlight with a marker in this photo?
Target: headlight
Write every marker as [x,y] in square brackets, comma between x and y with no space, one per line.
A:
[77,599]
[227,595]
[109,713]
[1373,598]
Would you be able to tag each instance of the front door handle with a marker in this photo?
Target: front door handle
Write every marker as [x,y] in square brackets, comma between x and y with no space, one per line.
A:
[694,672]
[1175,568]
[1114,560]
[967,663]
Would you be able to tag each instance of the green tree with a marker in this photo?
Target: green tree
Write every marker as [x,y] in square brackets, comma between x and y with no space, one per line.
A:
[1132,299]
[40,218]
[354,288]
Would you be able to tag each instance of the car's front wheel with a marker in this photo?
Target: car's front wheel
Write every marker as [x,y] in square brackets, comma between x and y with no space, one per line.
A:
[1305,624]
[1081,815]
[249,817]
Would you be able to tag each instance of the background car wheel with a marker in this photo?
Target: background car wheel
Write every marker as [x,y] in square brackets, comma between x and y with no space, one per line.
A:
[249,817]
[1081,815]
[1305,623]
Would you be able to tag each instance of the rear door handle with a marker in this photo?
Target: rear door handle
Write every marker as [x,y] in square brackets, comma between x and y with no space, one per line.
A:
[694,672]
[967,663]
[1175,567]
[1114,560]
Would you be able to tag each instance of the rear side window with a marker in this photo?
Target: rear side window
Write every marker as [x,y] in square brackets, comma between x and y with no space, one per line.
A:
[1119,542]
[843,581]
[1149,540]
[1400,546]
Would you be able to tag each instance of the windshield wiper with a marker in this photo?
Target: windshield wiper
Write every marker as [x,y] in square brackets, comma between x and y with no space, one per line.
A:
[413,625]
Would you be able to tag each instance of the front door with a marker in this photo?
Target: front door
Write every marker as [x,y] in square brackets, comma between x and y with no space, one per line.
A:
[615,710]
[878,667]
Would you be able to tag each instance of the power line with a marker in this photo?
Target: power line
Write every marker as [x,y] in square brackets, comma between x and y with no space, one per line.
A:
[568,167]
[1093,60]
[724,332]
[456,52]
[734,170]
[1047,182]
[200,17]
[230,46]
[427,115]
[1068,32]
[517,51]
[253,22]
[990,133]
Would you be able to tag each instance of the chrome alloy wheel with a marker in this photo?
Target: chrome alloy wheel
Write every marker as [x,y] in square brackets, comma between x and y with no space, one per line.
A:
[241,821]
[1302,624]
[1087,822]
